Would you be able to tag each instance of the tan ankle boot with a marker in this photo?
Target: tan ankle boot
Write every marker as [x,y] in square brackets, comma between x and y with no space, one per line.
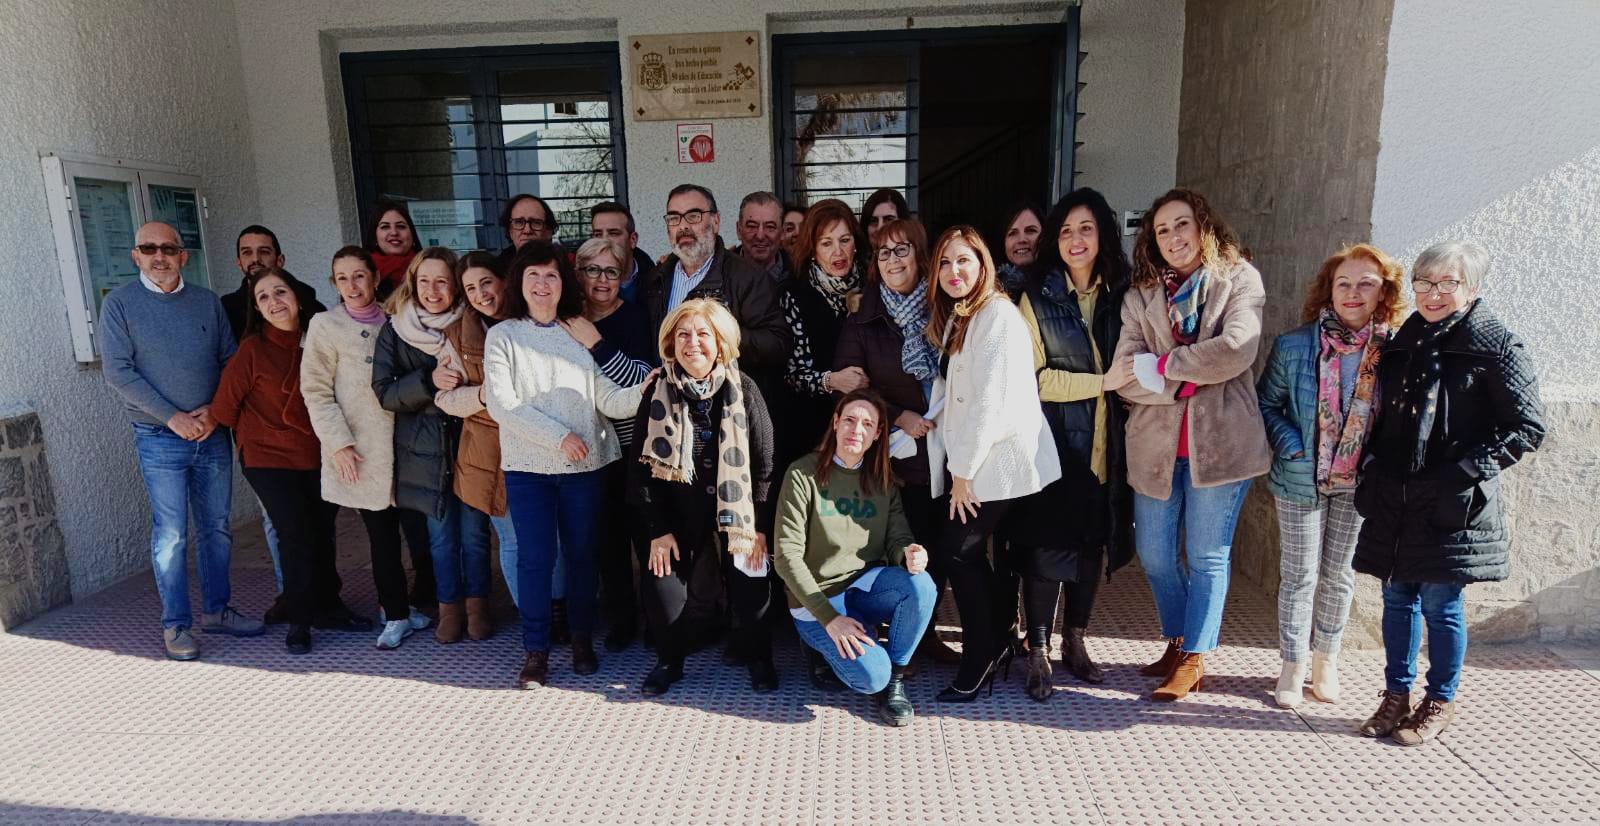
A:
[452,623]
[1291,685]
[480,623]
[1325,677]
[1188,675]
[1169,658]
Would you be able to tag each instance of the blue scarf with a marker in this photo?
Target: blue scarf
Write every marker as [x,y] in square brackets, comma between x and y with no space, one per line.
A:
[910,314]
[1184,303]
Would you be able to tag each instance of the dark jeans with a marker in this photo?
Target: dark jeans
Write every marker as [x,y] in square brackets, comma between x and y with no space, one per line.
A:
[388,569]
[305,537]
[621,539]
[550,511]
[986,610]
[681,603]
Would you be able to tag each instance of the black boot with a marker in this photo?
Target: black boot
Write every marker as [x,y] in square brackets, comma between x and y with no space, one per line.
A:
[298,640]
[763,676]
[660,679]
[822,676]
[560,633]
[894,705]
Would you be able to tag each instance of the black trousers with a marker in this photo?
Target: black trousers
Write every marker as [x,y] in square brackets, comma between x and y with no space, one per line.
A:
[963,553]
[621,540]
[388,569]
[414,527]
[927,516]
[293,498]
[1039,605]
[681,603]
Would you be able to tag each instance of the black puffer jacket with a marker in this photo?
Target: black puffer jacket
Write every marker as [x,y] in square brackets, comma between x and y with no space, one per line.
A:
[425,437]
[1444,522]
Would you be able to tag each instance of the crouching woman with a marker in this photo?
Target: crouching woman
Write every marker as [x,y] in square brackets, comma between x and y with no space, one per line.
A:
[845,552]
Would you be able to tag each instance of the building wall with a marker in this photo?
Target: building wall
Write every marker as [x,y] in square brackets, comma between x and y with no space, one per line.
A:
[1491,133]
[298,114]
[153,81]
[1279,128]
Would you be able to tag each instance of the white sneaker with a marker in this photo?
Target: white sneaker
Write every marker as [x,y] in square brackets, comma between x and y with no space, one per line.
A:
[1325,677]
[420,620]
[393,634]
[1291,681]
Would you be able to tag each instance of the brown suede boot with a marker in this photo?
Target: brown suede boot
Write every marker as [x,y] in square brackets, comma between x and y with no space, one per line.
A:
[1075,657]
[480,623]
[1391,711]
[452,623]
[1428,721]
[1169,658]
[1038,683]
[535,670]
[1188,675]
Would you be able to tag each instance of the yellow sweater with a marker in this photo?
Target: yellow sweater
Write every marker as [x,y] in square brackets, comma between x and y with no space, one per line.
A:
[1064,386]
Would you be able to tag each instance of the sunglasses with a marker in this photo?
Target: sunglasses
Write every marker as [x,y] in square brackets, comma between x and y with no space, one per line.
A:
[165,249]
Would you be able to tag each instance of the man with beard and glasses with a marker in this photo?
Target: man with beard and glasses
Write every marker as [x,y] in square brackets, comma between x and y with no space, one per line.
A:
[760,231]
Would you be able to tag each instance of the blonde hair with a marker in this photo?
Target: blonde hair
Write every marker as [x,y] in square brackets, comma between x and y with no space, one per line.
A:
[591,249]
[407,291]
[722,324]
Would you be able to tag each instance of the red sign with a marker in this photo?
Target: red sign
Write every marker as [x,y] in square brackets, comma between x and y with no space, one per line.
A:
[696,143]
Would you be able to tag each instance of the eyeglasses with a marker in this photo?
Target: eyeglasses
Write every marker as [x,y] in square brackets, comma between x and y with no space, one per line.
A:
[529,223]
[1423,287]
[168,250]
[898,251]
[693,216]
[594,273]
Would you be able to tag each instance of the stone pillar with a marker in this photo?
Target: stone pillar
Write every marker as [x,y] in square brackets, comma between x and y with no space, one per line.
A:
[33,554]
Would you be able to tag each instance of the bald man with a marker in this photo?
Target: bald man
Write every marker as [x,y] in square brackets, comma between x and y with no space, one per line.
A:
[162,346]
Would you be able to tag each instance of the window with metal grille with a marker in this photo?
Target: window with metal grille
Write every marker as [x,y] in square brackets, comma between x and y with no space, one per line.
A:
[457,133]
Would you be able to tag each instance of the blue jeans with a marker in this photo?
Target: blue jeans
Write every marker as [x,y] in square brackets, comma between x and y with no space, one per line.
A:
[1405,606]
[271,535]
[506,530]
[459,545]
[184,479]
[896,597]
[1188,601]
[551,511]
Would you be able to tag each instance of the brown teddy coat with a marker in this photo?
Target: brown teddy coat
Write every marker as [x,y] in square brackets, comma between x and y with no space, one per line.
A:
[1227,440]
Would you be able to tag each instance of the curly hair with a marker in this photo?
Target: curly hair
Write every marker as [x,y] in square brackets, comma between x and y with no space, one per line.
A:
[1391,305]
[1219,247]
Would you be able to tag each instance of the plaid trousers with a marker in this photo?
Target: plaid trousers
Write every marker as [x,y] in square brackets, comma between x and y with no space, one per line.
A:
[1317,544]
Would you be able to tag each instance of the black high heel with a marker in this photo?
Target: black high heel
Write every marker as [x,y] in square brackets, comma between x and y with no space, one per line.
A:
[955,694]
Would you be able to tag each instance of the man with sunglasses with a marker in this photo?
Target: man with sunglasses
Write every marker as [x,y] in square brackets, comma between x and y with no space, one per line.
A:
[163,345]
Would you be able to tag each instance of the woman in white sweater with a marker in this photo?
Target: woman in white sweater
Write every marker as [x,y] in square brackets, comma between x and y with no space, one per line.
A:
[991,439]
[357,434]
[547,394]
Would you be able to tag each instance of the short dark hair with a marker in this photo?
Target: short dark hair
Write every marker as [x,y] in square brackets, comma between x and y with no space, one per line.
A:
[549,214]
[257,229]
[791,206]
[254,322]
[380,208]
[535,254]
[684,189]
[885,195]
[605,207]
[1110,265]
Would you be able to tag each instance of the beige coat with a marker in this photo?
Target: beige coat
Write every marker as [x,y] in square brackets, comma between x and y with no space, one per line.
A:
[336,379]
[1227,440]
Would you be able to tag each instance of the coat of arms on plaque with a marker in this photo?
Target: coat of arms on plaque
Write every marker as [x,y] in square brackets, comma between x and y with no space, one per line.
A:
[653,72]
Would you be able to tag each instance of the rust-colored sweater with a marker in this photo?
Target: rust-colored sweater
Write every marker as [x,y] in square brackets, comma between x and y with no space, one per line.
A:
[259,397]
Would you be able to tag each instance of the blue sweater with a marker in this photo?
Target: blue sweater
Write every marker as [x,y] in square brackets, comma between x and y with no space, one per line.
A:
[163,352]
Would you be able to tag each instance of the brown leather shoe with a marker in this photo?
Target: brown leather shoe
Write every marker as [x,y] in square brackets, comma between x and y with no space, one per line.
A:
[1075,658]
[1037,682]
[535,668]
[583,659]
[1393,709]
[452,623]
[480,623]
[1428,721]
[1188,675]
[1169,659]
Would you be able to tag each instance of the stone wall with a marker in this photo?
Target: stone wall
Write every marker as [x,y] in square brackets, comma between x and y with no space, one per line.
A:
[33,555]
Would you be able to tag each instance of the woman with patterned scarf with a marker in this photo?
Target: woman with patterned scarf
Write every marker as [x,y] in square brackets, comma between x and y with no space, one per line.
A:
[703,480]
[1191,328]
[829,255]
[1318,397]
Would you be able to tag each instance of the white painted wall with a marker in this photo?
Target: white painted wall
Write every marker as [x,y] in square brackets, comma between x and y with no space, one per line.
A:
[149,81]
[298,114]
[1491,132]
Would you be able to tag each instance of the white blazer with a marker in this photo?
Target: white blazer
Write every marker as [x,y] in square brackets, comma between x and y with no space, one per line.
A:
[991,429]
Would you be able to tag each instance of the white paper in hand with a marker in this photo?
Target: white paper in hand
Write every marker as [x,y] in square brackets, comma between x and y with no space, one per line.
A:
[1144,369]
[742,562]
[901,445]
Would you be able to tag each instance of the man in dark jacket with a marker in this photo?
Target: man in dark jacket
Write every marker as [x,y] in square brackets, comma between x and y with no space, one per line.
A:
[1460,403]
[614,222]
[258,249]
[701,268]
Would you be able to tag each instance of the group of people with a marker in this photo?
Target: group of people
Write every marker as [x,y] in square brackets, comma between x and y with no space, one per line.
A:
[841,414]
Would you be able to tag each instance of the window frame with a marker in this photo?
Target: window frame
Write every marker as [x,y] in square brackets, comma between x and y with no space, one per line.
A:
[482,66]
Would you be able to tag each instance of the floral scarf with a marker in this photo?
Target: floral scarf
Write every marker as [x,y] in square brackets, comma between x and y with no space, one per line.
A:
[910,313]
[836,290]
[1185,301]
[669,445]
[1341,434]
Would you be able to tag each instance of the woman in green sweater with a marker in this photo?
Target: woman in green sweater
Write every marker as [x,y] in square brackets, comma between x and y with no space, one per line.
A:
[846,555]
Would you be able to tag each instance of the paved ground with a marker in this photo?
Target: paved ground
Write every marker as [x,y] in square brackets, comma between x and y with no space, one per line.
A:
[95,726]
